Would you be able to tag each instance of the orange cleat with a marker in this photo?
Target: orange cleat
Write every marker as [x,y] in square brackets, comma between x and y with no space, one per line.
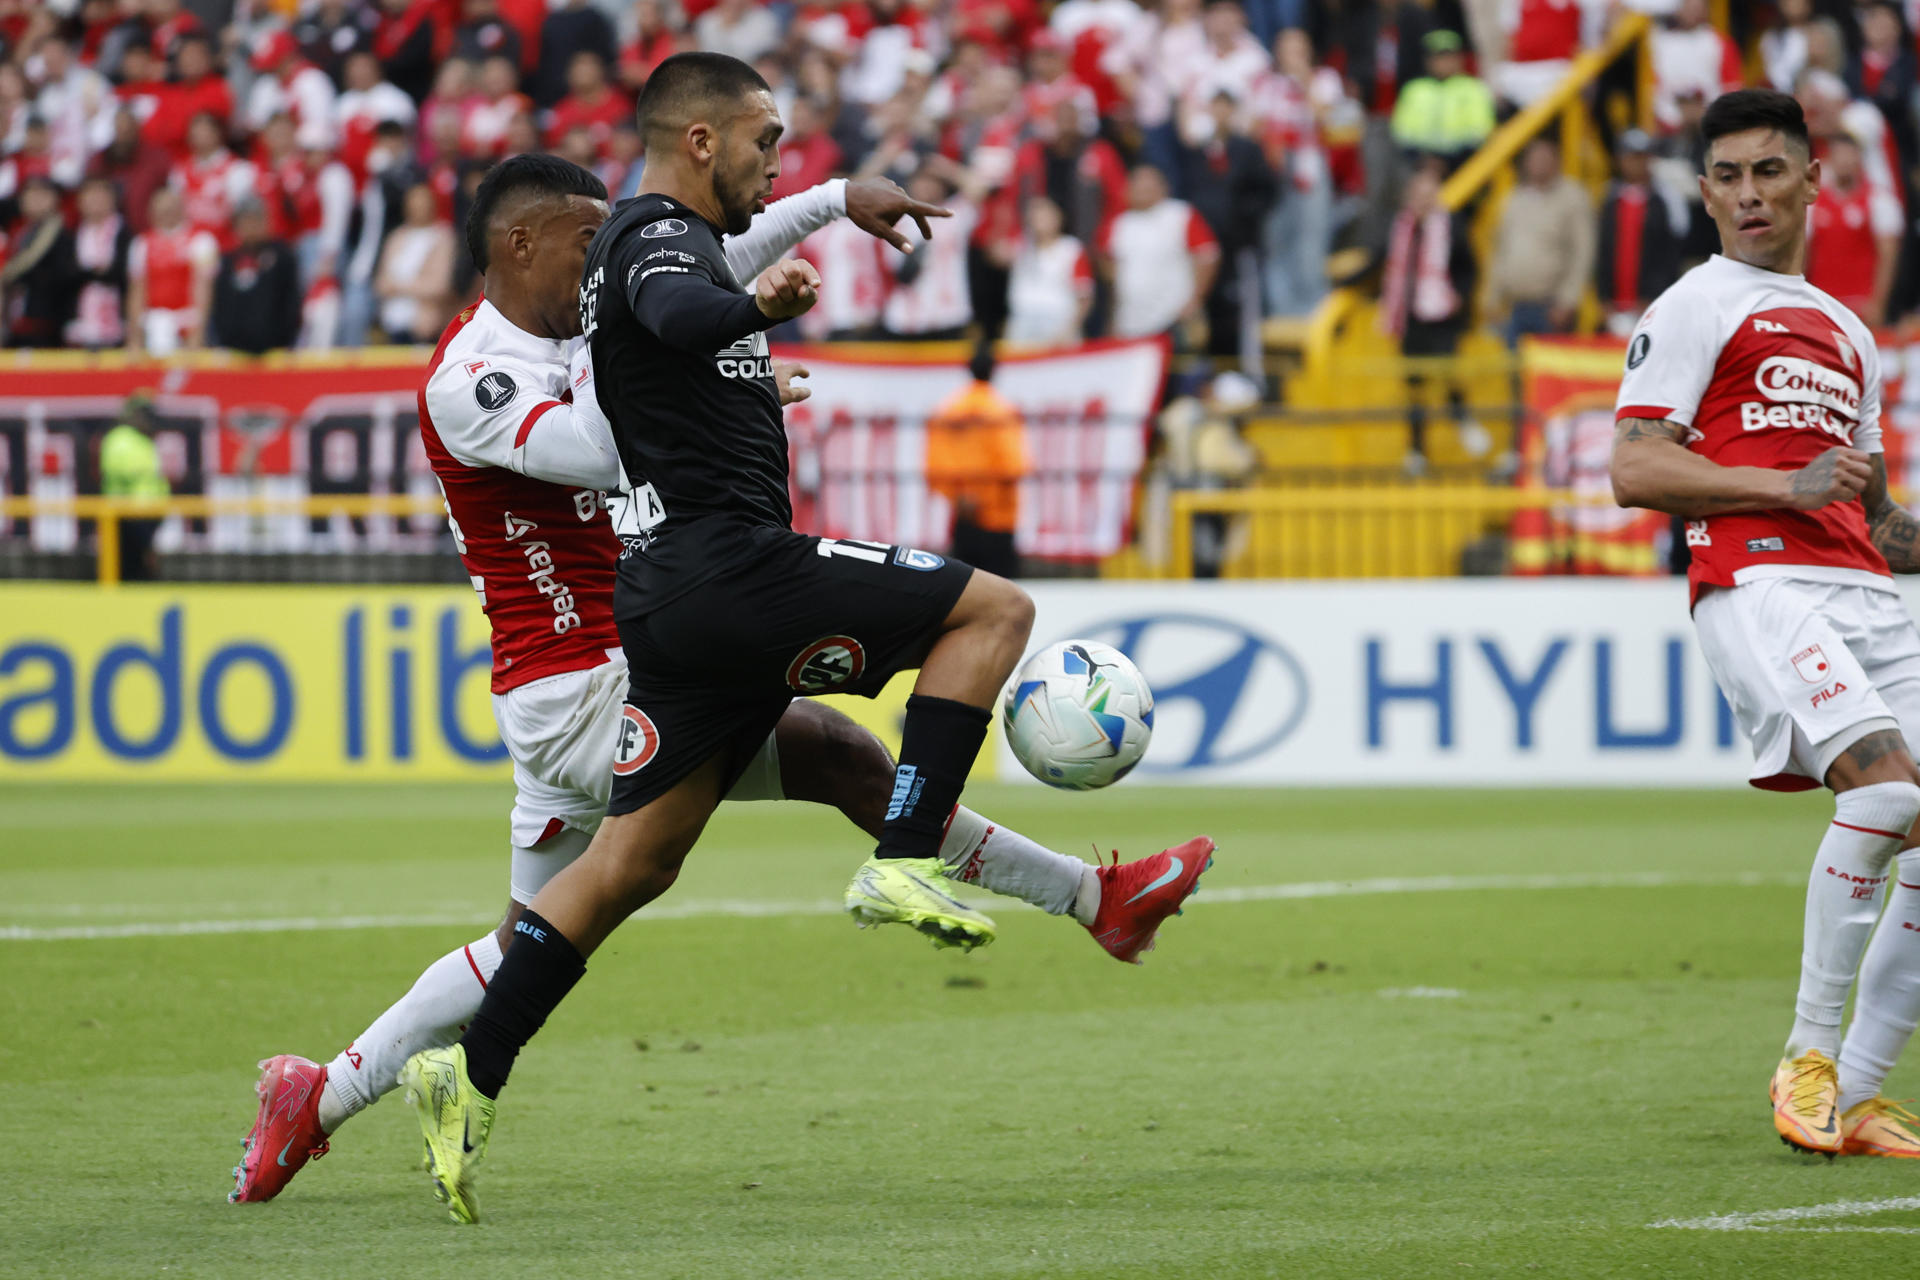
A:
[1806,1096]
[1878,1127]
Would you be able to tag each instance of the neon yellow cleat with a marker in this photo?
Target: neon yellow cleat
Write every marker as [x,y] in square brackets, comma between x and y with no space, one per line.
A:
[1878,1127]
[1806,1093]
[915,891]
[455,1119]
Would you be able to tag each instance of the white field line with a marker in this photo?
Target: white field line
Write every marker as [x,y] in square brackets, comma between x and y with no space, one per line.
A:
[1790,1219]
[689,909]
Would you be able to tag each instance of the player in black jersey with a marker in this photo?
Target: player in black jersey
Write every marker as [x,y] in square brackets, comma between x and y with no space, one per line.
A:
[724,612]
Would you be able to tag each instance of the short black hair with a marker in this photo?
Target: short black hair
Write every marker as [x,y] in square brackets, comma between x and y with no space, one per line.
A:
[1745,109]
[533,172]
[686,84]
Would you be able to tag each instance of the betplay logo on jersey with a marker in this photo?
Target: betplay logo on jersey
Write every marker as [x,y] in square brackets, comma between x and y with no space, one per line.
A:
[748,358]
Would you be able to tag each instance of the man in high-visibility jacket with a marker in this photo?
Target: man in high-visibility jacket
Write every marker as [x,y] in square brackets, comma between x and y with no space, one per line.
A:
[1445,113]
[977,457]
[130,468]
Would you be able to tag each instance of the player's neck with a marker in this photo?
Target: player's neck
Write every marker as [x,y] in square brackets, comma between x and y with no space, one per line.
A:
[1792,263]
[513,305]
[671,181]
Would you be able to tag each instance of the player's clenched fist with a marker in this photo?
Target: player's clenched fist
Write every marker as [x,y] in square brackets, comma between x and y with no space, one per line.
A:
[1838,475]
[787,289]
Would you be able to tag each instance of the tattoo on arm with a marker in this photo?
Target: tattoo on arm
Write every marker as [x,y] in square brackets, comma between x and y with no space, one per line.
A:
[1629,430]
[1895,532]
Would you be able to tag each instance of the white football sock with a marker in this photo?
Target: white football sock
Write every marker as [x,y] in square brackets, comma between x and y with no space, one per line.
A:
[1888,1006]
[1843,900]
[431,1015]
[987,854]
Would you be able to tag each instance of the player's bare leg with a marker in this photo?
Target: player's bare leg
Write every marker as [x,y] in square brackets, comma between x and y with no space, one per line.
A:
[1876,802]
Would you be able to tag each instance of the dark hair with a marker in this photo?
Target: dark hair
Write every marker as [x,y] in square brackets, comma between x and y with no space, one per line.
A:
[1745,109]
[533,172]
[684,85]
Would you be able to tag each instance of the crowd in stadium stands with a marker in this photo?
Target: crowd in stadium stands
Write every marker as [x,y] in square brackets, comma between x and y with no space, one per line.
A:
[266,173]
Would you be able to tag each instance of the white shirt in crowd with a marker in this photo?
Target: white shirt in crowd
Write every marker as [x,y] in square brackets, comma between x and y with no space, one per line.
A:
[1155,252]
[1048,285]
[937,297]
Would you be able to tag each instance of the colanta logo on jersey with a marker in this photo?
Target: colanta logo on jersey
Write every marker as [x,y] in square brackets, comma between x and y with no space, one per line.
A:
[1806,395]
[747,359]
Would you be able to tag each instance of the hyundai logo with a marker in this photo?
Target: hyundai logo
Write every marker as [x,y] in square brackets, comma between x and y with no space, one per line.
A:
[1222,694]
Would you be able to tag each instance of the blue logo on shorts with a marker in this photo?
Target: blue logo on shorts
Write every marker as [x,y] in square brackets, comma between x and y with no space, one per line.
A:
[924,561]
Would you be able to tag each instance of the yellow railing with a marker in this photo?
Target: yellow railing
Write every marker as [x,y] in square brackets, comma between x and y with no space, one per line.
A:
[109,512]
[1405,532]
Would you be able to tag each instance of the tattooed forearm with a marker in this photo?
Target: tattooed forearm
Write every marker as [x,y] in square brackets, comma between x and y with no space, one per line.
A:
[1896,535]
[1628,430]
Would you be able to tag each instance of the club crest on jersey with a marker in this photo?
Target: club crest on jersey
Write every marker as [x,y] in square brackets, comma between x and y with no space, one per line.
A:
[638,741]
[495,391]
[831,662]
[913,558]
[1812,666]
[748,358]
[662,229]
[1848,356]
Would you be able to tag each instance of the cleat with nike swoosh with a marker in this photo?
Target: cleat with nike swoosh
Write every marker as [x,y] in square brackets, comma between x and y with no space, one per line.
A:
[1805,1092]
[1880,1127]
[916,892]
[1137,897]
[286,1131]
[455,1119]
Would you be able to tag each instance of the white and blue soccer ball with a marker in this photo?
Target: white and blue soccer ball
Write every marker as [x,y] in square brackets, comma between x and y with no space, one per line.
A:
[1079,715]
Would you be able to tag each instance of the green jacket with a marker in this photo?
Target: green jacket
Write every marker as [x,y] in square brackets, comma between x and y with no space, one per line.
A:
[1445,117]
[130,465]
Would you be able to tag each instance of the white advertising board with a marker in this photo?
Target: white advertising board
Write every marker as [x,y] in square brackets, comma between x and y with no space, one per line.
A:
[1495,682]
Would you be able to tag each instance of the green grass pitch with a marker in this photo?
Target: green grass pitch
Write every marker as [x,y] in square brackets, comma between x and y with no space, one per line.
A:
[1546,1026]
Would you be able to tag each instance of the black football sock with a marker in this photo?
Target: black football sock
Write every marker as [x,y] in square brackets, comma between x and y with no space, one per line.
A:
[937,746]
[534,977]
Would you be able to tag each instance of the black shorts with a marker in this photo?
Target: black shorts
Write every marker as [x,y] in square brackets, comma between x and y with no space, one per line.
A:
[712,669]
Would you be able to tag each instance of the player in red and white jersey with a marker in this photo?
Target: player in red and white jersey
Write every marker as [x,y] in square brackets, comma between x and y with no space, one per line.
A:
[514,433]
[1751,407]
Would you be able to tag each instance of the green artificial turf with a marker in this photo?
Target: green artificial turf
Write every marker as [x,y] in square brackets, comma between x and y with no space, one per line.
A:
[1431,1078]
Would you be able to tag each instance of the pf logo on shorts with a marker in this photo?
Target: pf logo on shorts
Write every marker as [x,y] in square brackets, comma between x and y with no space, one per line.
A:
[829,663]
[1812,665]
[637,744]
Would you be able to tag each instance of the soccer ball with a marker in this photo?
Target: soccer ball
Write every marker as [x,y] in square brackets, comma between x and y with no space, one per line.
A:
[1079,715]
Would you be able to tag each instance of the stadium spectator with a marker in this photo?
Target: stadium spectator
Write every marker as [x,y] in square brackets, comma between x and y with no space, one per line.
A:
[100,243]
[1292,106]
[1783,46]
[1229,62]
[930,298]
[1691,54]
[167,22]
[367,102]
[1424,296]
[76,102]
[1161,257]
[808,154]
[288,83]
[330,31]
[850,310]
[1637,249]
[483,34]
[1446,112]
[976,458]
[257,293]
[1050,85]
[391,171]
[572,28]
[486,121]
[1832,113]
[1227,181]
[740,28]
[212,180]
[1542,39]
[130,468]
[414,281]
[591,104]
[170,270]
[135,168]
[197,88]
[406,40]
[1846,255]
[654,41]
[40,280]
[1081,173]
[1051,289]
[1887,75]
[1543,250]
[32,160]
[624,163]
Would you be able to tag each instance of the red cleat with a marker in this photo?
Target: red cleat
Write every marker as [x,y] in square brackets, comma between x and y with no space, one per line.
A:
[1136,896]
[286,1134]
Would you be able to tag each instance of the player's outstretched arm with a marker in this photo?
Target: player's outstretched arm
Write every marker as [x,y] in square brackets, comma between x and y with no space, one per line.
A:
[872,204]
[1895,532]
[1653,469]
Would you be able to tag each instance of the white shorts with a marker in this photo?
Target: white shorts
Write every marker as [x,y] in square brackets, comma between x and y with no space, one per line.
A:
[1809,669]
[560,732]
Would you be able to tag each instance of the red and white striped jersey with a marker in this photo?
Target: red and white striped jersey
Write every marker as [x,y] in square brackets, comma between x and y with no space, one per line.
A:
[1763,370]
[541,555]
[167,263]
[210,187]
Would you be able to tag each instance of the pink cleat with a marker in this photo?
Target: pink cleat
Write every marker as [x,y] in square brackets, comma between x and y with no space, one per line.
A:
[1135,897]
[286,1134]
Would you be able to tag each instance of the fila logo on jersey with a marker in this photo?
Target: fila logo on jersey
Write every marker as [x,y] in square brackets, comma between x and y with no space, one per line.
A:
[1828,695]
[747,358]
[1812,665]
[637,744]
[662,229]
[831,662]
[495,391]
[1768,326]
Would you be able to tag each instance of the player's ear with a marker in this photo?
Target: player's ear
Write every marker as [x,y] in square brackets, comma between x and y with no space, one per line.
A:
[519,243]
[701,140]
[1812,193]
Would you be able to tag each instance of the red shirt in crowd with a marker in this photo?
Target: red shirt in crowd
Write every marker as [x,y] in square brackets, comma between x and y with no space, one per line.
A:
[175,105]
[599,117]
[806,163]
[1842,254]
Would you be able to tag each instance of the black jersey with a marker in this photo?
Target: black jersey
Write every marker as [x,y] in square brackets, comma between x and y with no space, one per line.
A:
[682,372]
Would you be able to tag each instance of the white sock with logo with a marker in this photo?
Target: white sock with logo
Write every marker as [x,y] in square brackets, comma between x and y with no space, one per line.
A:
[1843,901]
[431,1015]
[1888,1006]
[987,854]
